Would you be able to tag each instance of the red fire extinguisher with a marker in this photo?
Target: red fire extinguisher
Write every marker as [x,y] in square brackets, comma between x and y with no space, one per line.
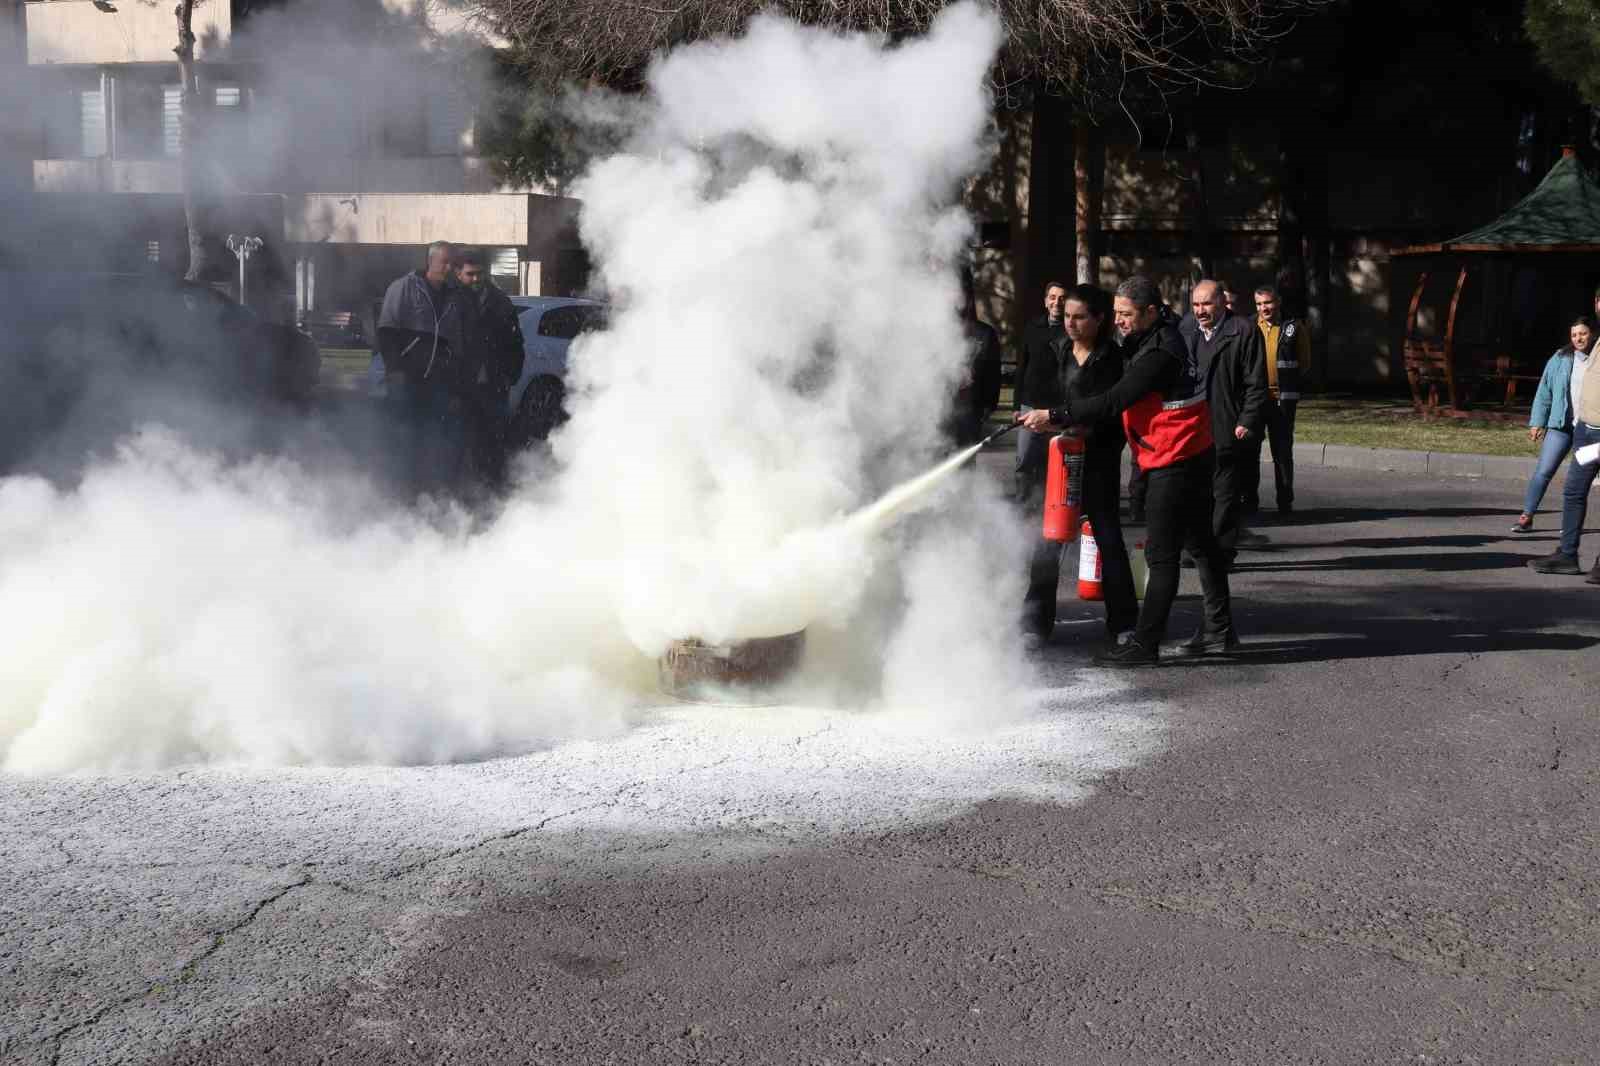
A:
[1090,586]
[1063,489]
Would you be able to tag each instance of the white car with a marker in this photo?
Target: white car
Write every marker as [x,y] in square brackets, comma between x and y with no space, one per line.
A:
[549,323]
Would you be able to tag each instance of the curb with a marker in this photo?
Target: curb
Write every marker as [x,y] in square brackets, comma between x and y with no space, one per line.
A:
[1398,460]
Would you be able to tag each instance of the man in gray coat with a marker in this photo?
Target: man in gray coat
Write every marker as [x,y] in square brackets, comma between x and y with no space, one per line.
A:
[421,335]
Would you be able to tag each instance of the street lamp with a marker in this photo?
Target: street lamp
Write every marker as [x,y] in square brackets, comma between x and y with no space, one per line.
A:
[243,248]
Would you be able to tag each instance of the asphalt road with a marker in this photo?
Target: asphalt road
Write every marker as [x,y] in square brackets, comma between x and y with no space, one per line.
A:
[1371,838]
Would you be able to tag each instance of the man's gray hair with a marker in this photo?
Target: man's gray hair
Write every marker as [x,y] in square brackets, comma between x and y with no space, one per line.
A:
[1141,291]
[440,246]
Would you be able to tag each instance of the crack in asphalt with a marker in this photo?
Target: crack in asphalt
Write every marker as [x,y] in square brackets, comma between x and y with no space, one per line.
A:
[1435,963]
[186,973]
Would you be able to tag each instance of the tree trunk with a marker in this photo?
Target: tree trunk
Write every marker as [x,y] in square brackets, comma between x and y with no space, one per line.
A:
[1089,174]
[1049,203]
[1292,211]
[194,213]
[1200,200]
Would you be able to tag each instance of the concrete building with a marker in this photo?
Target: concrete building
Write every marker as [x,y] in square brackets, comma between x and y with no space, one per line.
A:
[346,158]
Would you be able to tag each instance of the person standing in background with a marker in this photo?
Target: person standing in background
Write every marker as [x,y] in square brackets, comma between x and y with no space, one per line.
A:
[1288,356]
[1038,383]
[1550,421]
[1228,354]
[494,363]
[421,336]
[979,391]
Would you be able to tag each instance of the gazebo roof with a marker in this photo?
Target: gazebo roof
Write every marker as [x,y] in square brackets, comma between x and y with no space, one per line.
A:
[1561,215]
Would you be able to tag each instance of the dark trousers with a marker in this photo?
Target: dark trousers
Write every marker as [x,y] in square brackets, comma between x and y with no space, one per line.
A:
[1227,489]
[1178,514]
[1101,497]
[1138,487]
[1575,493]
[1280,438]
[433,419]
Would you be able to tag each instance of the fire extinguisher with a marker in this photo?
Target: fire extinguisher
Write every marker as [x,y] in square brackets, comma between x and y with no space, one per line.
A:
[1063,489]
[1089,583]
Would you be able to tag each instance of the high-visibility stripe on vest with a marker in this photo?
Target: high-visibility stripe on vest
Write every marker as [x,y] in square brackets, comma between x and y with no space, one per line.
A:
[1164,432]
[1283,357]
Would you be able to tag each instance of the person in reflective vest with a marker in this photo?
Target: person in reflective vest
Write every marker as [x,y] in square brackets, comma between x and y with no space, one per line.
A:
[1161,399]
[1288,343]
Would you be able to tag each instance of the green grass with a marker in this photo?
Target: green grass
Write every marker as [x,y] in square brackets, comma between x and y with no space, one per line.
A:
[1391,422]
[1378,422]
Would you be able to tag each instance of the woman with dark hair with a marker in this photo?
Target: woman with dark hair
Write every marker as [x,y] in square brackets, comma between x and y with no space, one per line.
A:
[1088,363]
[1551,418]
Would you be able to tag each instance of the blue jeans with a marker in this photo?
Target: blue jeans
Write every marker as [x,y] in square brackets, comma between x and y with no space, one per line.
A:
[1575,496]
[1556,445]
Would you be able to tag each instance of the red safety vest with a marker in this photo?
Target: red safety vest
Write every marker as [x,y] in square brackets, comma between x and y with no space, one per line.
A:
[1169,429]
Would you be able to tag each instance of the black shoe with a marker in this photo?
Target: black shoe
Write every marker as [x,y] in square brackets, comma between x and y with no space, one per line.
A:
[1249,538]
[1594,575]
[1286,507]
[1523,524]
[1203,643]
[1130,654]
[1556,563]
[1136,516]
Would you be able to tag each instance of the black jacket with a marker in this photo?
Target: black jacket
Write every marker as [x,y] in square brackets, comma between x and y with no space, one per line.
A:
[494,338]
[1038,382]
[979,392]
[1097,374]
[1156,362]
[1235,369]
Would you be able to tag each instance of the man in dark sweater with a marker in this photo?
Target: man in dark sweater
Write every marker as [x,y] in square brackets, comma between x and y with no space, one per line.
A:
[1231,357]
[1038,383]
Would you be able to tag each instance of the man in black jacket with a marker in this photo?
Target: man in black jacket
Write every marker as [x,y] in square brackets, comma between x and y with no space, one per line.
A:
[1037,383]
[1231,357]
[1162,400]
[494,360]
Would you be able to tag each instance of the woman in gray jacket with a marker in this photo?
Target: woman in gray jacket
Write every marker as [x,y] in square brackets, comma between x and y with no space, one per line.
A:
[1551,418]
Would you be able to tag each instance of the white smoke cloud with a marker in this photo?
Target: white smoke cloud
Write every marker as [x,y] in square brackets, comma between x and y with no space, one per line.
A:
[779,233]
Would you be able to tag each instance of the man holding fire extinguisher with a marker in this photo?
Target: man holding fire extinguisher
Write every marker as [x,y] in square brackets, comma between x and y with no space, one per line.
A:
[1161,398]
[1088,364]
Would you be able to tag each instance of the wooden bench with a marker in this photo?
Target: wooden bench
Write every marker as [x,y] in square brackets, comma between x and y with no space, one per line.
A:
[338,329]
[1462,372]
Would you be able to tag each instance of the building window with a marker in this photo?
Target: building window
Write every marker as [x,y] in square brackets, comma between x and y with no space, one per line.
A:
[503,262]
[172,119]
[152,251]
[228,96]
[92,122]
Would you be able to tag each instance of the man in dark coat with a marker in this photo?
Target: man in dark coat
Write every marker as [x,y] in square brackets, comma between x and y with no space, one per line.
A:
[494,362]
[421,336]
[978,393]
[1231,357]
[1038,383]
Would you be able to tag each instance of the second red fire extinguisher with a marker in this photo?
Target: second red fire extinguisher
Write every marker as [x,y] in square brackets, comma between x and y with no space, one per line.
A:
[1063,489]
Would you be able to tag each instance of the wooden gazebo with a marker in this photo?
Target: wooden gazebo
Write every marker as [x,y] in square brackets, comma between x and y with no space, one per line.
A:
[1523,276]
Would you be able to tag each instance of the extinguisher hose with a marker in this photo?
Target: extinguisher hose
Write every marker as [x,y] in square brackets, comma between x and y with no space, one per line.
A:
[997,434]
